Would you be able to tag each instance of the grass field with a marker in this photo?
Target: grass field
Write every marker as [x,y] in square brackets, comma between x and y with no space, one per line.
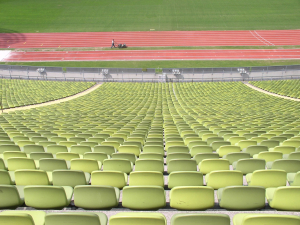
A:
[142,15]
[162,64]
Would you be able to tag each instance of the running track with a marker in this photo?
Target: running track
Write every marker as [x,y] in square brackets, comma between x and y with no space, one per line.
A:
[120,55]
[151,38]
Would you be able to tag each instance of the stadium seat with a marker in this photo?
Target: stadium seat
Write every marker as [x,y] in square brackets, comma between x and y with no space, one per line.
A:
[53,164]
[31,177]
[122,155]
[96,155]
[200,218]
[181,165]
[62,218]
[143,197]
[255,149]
[266,219]
[33,148]
[80,149]
[134,218]
[109,150]
[22,217]
[233,157]
[208,165]
[149,165]
[224,150]
[146,178]
[68,156]
[268,156]
[96,197]
[11,196]
[267,178]
[47,197]
[178,149]
[85,165]
[20,163]
[185,178]
[109,178]
[249,165]
[154,149]
[70,178]
[224,178]
[56,148]
[284,149]
[288,165]
[122,165]
[187,197]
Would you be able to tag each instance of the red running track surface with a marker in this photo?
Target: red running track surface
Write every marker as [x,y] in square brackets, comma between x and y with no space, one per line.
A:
[151,38]
[120,55]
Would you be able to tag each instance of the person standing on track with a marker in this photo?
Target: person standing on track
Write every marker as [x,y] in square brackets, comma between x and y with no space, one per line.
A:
[113,43]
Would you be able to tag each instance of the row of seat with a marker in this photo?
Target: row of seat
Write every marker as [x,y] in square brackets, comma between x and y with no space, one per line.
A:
[215,179]
[149,197]
[80,218]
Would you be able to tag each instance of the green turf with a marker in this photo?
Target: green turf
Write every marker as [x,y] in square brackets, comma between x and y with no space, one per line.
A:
[162,64]
[142,15]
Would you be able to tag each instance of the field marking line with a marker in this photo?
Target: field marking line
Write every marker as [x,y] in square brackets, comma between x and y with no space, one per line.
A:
[270,93]
[263,38]
[85,92]
[258,38]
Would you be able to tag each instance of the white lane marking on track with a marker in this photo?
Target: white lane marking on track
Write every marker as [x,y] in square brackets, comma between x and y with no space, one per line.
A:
[4,54]
[258,38]
[263,38]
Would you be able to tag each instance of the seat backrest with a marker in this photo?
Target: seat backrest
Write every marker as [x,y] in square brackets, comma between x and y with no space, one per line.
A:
[11,148]
[86,165]
[250,165]
[5,178]
[208,165]
[270,156]
[33,148]
[130,149]
[200,218]
[274,219]
[185,178]
[7,155]
[123,165]
[20,163]
[53,164]
[80,149]
[148,178]
[178,149]
[31,177]
[268,178]
[256,149]
[16,219]
[149,165]
[9,196]
[57,148]
[111,178]
[288,165]
[68,178]
[109,150]
[68,156]
[182,165]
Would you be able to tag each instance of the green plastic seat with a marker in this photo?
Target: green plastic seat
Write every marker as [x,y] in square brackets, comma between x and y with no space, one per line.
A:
[284,149]
[269,156]
[270,143]
[67,143]
[235,140]
[54,149]
[115,144]
[154,149]
[68,156]
[200,218]
[284,198]
[146,178]
[293,155]
[40,155]
[208,165]
[7,177]
[171,156]
[249,165]
[182,165]
[294,143]
[33,148]
[216,145]
[187,198]
[288,165]
[224,150]
[75,139]
[85,165]
[80,149]
[255,149]
[11,196]
[265,219]
[7,155]
[200,149]
[130,149]
[10,148]
[224,178]
[96,155]
[242,197]
[178,149]
[22,143]
[145,155]
[20,163]
[45,144]
[233,157]
[109,150]
[143,197]
[201,156]
[185,178]
[294,179]
[53,164]
[22,217]
[246,143]
[96,197]
[31,177]
[70,178]
[137,218]
[149,165]
[122,165]
[63,218]
[109,178]
[267,178]
[47,197]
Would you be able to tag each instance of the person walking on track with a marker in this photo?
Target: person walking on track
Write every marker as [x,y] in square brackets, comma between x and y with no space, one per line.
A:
[113,43]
